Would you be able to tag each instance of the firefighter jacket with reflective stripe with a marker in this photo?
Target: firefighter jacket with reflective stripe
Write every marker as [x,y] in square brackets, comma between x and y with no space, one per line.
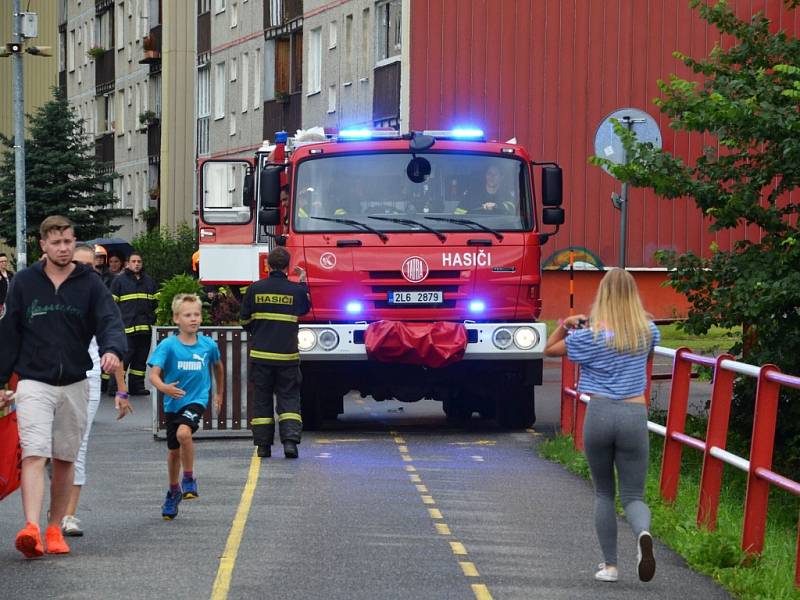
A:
[137,301]
[270,311]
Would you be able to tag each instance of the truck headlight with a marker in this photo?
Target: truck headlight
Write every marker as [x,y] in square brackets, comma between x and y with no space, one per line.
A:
[502,338]
[525,338]
[328,339]
[306,339]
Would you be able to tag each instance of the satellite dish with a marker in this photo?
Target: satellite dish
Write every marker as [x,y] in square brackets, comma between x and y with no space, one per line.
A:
[608,145]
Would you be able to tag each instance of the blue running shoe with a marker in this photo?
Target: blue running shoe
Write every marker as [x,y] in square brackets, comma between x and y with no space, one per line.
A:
[169,510]
[189,489]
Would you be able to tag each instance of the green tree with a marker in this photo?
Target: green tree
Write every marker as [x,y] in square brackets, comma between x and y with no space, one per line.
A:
[61,177]
[746,100]
[167,253]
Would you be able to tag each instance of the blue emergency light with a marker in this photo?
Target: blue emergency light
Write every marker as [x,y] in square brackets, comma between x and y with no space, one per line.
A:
[355,134]
[467,133]
[353,307]
[477,306]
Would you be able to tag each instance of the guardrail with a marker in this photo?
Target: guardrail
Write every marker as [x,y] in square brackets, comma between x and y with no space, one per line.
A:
[233,416]
[715,456]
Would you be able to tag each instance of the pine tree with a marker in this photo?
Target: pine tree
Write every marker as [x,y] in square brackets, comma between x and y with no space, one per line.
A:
[61,177]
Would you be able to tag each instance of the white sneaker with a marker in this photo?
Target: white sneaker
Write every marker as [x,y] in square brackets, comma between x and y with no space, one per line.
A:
[606,573]
[646,562]
[71,526]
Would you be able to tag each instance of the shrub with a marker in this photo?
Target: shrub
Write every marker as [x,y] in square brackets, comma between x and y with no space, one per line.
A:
[225,308]
[165,253]
[179,284]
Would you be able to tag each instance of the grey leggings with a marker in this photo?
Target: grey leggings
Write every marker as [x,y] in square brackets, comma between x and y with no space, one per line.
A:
[615,433]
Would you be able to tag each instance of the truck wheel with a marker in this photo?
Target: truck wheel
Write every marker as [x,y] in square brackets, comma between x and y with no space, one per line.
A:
[515,407]
[457,411]
[311,406]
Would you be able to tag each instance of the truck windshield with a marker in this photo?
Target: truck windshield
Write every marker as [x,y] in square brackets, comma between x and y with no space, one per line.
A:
[490,190]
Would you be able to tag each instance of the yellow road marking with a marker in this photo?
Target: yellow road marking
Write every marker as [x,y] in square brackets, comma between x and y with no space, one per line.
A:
[475,443]
[428,500]
[435,513]
[406,457]
[410,468]
[422,488]
[442,529]
[458,548]
[415,478]
[222,583]
[399,440]
[469,569]
[338,441]
[403,449]
[481,592]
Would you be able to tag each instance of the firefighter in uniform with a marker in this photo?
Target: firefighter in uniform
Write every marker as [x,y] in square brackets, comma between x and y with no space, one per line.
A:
[135,293]
[270,311]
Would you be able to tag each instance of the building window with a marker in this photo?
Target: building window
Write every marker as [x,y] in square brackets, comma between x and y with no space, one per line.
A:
[203,108]
[232,123]
[234,69]
[315,60]
[119,30]
[365,35]
[219,6]
[389,35]
[71,50]
[257,80]
[203,6]
[275,13]
[348,48]
[245,81]
[234,14]
[332,34]
[219,90]
[137,106]
[331,99]
[120,116]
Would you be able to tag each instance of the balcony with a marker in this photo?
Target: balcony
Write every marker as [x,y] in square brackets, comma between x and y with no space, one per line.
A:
[288,17]
[386,95]
[151,47]
[104,72]
[282,115]
[154,142]
[104,149]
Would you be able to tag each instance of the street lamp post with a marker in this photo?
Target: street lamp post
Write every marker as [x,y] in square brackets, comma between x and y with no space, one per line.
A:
[19,142]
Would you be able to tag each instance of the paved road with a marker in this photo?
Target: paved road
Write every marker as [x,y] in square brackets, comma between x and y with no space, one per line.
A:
[389,502]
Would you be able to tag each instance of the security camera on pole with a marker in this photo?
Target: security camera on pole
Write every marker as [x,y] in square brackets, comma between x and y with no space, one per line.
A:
[26,25]
[608,145]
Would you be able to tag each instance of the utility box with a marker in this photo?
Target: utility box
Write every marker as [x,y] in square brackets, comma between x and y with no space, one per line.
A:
[30,25]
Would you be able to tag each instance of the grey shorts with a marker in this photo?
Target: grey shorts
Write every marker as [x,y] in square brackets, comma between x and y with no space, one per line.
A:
[51,418]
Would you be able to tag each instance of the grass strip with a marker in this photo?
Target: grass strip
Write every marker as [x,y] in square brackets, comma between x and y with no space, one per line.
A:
[717,554]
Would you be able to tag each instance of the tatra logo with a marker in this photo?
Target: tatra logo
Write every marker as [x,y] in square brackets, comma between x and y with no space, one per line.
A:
[481,258]
[274,299]
[327,260]
[415,269]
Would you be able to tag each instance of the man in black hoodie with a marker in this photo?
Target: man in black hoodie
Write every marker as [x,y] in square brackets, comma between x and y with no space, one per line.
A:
[52,311]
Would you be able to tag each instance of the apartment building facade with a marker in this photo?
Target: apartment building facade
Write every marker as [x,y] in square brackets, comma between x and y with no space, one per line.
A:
[100,46]
[354,63]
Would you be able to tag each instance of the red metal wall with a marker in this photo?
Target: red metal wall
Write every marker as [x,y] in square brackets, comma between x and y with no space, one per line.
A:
[548,72]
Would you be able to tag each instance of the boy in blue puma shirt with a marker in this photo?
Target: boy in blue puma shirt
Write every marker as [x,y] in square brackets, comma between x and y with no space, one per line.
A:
[183,360]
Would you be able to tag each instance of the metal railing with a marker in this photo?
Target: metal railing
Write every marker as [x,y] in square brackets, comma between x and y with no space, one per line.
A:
[760,475]
[237,395]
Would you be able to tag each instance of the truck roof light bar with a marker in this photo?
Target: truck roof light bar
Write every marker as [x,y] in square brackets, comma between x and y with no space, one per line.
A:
[459,133]
[353,135]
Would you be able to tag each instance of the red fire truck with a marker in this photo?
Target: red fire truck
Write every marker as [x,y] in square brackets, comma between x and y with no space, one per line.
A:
[423,258]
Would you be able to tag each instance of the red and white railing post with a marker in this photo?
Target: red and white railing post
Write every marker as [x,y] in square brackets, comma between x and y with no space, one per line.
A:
[716,436]
[676,422]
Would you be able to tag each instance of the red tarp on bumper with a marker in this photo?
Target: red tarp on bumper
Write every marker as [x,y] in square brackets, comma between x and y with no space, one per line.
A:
[432,345]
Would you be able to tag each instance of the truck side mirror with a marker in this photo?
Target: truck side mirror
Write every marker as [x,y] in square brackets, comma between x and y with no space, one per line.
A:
[248,189]
[552,194]
[553,216]
[270,186]
[269,216]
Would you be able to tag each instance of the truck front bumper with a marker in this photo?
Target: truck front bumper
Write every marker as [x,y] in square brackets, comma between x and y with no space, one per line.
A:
[486,341]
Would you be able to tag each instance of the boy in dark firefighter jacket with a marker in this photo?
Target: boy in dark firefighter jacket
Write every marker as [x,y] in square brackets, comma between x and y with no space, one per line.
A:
[135,294]
[270,310]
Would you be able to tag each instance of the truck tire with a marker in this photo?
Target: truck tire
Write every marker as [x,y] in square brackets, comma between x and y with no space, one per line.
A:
[515,407]
[457,410]
[311,406]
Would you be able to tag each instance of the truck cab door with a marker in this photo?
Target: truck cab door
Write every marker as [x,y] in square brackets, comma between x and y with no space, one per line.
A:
[227,230]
